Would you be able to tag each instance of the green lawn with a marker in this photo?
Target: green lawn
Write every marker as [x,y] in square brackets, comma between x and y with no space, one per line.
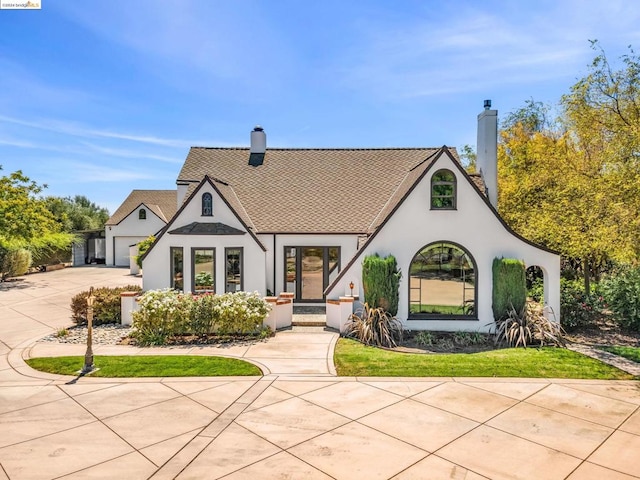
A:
[149,366]
[354,359]
[632,353]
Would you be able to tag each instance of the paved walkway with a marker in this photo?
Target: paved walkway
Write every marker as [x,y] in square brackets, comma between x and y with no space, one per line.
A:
[293,425]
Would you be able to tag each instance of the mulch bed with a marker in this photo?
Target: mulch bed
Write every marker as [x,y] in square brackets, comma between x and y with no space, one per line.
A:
[605,332]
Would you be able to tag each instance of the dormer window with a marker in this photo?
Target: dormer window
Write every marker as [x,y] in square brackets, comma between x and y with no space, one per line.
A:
[142,214]
[443,190]
[207,205]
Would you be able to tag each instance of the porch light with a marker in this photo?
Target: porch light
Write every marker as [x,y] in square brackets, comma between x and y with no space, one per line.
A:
[351,285]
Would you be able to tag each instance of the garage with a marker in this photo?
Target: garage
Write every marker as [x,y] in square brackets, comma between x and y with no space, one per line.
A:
[121,249]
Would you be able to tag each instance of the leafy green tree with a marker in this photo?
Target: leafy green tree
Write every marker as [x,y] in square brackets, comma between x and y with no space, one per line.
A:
[26,222]
[22,214]
[77,213]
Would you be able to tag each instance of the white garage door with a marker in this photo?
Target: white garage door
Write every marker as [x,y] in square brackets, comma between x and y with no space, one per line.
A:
[122,245]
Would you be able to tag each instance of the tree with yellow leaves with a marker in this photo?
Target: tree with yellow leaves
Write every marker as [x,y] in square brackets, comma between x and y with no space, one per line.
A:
[573,184]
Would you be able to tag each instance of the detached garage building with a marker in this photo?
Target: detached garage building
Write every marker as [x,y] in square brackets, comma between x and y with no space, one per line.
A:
[143,213]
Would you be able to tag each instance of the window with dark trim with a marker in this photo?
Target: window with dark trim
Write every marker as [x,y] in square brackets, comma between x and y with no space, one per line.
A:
[203,270]
[234,272]
[443,190]
[142,214]
[177,268]
[442,283]
[207,205]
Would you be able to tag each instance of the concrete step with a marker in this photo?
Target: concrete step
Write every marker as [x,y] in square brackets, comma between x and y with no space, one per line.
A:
[309,320]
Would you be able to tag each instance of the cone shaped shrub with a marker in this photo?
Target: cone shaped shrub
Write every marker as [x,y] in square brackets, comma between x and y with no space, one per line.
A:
[509,287]
[381,281]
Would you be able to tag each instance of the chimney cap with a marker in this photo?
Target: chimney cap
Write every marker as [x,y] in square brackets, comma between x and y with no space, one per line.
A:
[487,104]
[258,128]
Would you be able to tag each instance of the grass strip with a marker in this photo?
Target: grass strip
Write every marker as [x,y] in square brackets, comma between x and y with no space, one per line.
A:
[354,359]
[148,366]
[631,353]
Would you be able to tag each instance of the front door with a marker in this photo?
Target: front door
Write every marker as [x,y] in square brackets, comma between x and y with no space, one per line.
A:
[309,270]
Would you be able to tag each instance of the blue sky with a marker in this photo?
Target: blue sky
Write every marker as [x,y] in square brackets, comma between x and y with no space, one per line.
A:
[99,98]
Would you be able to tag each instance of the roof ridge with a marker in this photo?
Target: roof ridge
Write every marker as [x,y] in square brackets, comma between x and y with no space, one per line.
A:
[321,148]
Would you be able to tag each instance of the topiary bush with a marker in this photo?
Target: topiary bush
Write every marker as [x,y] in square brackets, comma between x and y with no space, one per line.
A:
[106,307]
[509,287]
[622,294]
[381,282]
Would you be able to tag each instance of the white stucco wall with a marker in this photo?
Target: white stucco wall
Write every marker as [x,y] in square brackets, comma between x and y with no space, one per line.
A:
[156,266]
[129,231]
[473,226]
[268,241]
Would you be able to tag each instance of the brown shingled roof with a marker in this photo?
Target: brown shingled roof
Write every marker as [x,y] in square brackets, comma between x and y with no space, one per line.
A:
[163,203]
[311,190]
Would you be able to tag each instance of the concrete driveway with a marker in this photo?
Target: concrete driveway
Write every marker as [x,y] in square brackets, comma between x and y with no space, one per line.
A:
[286,425]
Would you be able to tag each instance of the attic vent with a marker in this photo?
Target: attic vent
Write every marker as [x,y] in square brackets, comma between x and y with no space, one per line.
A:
[258,146]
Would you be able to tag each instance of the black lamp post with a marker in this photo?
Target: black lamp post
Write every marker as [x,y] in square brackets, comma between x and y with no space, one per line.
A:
[88,356]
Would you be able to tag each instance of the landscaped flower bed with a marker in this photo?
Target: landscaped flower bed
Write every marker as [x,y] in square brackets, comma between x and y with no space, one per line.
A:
[168,316]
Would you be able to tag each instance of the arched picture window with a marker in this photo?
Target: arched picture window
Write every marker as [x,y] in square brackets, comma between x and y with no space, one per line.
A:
[207,205]
[442,282]
[142,214]
[443,190]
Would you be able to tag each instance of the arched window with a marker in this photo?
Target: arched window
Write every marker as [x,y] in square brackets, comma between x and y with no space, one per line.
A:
[207,205]
[442,283]
[142,214]
[443,190]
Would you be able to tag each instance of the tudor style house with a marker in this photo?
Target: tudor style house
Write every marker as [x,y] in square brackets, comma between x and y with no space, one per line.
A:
[301,220]
[143,213]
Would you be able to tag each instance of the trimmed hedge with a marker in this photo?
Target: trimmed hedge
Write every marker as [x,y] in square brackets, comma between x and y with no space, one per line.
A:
[509,287]
[381,282]
[106,307]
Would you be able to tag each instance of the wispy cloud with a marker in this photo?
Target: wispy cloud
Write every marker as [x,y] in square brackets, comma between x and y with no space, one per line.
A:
[76,130]
[471,50]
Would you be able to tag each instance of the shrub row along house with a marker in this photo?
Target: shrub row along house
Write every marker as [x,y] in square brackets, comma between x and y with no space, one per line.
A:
[302,220]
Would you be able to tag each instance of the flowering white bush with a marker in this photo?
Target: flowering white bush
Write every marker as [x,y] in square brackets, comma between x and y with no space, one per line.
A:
[239,312]
[162,314]
[166,313]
